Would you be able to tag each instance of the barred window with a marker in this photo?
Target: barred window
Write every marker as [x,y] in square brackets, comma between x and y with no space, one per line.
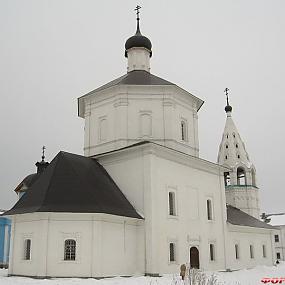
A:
[171,252]
[70,249]
[171,203]
[183,131]
[27,249]
[276,238]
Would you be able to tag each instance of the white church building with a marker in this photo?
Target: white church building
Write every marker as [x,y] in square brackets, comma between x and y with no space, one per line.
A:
[140,200]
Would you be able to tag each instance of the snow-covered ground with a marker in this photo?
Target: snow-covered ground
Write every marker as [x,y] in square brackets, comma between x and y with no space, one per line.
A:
[242,277]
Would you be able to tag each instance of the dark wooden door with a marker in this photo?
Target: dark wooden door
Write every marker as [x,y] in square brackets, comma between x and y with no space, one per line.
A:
[194,257]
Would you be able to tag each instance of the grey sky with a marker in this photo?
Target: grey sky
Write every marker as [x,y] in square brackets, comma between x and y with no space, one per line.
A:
[53,51]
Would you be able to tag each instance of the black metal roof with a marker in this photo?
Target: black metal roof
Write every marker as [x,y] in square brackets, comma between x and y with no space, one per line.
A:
[237,217]
[77,184]
[135,77]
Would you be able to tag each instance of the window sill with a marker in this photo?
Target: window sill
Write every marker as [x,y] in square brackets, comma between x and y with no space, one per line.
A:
[172,217]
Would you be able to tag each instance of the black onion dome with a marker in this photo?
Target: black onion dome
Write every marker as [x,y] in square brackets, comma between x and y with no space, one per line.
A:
[138,40]
[228,108]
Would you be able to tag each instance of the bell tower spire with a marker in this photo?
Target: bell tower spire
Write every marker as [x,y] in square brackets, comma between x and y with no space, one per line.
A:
[240,180]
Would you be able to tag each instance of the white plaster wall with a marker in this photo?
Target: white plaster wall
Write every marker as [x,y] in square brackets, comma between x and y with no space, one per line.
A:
[145,174]
[123,106]
[244,237]
[190,227]
[106,245]
[138,59]
[245,198]
[280,246]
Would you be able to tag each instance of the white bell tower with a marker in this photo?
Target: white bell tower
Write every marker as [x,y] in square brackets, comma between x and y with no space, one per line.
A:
[240,180]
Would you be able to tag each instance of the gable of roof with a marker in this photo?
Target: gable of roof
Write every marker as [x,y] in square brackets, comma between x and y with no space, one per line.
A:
[77,184]
[237,217]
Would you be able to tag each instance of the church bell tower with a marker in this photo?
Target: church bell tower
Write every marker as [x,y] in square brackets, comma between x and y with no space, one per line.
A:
[240,180]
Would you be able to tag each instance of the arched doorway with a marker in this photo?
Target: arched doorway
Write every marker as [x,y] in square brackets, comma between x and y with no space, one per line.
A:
[194,257]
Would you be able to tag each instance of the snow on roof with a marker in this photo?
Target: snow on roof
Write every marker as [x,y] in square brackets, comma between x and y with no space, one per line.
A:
[277,220]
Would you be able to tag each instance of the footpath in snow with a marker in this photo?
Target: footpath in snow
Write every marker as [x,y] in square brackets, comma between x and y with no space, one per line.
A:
[241,277]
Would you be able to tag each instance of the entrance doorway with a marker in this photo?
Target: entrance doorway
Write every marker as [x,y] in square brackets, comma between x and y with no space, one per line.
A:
[194,257]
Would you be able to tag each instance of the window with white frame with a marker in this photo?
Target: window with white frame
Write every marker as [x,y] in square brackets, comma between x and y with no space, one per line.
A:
[264,250]
[209,209]
[171,203]
[251,251]
[183,126]
[172,253]
[27,249]
[237,251]
[69,249]
[276,238]
[212,251]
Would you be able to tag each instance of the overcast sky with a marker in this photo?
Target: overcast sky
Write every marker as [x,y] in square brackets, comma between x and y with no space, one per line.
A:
[53,51]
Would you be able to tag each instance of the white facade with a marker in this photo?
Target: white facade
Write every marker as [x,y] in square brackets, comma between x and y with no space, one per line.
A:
[106,245]
[279,242]
[126,114]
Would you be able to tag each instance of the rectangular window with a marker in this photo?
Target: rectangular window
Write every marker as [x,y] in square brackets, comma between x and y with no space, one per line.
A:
[171,252]
[263,250]
[171,204]
[251,251]
[27,249]
[237,251]
[183,131]
[278,255]
[212,252]
[209,210]
[276,238]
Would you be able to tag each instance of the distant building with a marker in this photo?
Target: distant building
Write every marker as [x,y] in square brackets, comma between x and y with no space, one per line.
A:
[279,236]
[5,231]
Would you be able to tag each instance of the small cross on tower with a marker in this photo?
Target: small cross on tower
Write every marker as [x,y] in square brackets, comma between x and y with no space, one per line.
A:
[43,153]
[138,11]
[227,94]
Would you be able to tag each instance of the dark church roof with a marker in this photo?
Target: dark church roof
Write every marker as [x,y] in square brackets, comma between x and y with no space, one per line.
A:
[135,77]
[237,217]
[27,182]
[77,184]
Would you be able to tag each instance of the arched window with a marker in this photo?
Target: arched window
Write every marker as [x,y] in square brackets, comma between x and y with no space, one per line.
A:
[209,210]
[237,251]
[183,131]
[171,204]
[27,249]
[69,249]
[241,178]
[251,251]
[227,178]
[227,146]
